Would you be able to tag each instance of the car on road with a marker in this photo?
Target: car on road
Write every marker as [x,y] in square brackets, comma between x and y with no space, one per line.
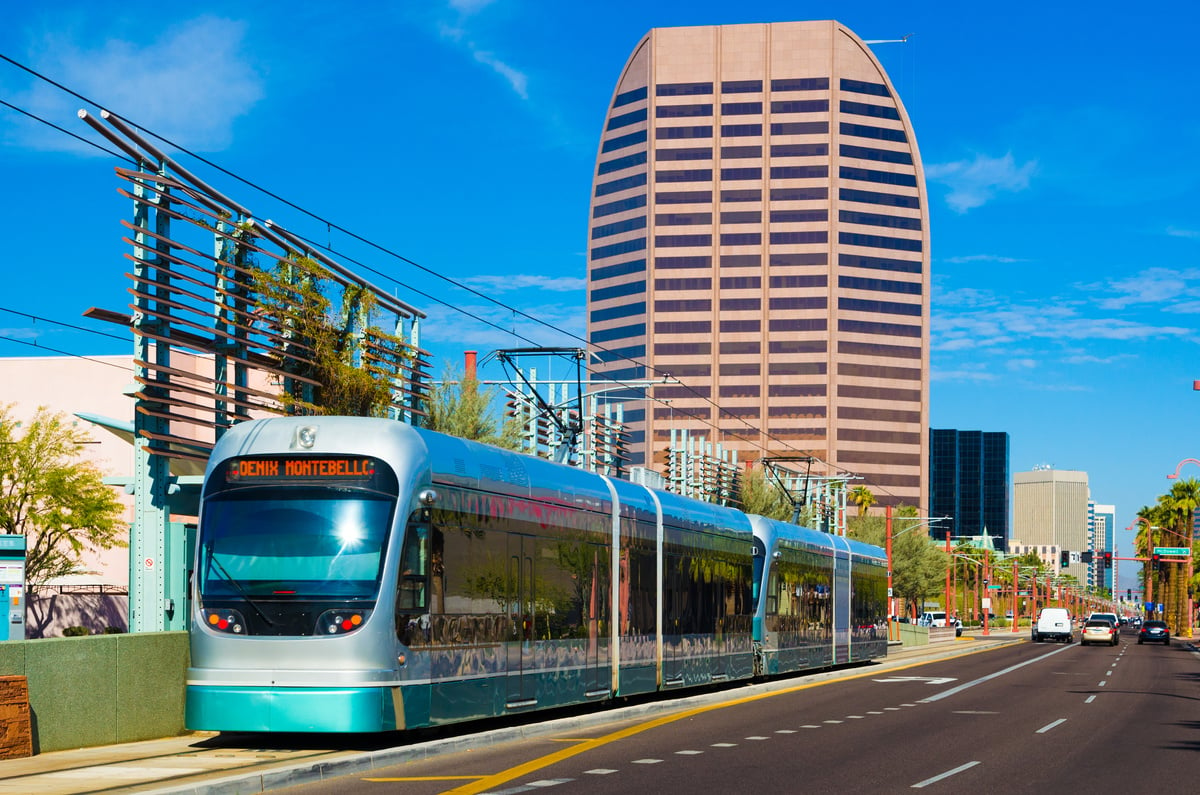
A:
[1053,623]
[1112,617]
[938,619]
[1154,632]
[1098,631]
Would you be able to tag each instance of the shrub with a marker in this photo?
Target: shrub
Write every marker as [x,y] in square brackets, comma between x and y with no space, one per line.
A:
[111,630]
[75,632]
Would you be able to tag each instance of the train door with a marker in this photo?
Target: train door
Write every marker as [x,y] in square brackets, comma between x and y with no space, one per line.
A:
[841,605]
[522,686]
[674,595]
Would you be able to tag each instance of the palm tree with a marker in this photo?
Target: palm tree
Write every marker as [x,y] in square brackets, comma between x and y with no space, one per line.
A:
[1181,503]
[1152,520]
[863,497]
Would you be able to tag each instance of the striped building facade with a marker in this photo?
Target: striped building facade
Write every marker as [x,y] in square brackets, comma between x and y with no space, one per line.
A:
[759,232]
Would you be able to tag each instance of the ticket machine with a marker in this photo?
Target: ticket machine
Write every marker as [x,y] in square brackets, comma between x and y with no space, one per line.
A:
[12,587]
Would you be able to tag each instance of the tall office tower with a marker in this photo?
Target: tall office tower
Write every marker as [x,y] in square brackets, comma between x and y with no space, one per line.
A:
[759,232]
[1103,539]
[968,481]
[1050,506]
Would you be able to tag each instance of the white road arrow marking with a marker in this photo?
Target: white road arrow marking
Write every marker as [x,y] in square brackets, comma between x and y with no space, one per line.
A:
[929,680]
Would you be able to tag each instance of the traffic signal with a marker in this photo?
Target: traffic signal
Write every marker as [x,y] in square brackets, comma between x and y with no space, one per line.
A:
[1128,594]
[1064,558]
[1155,560]
[1108,560]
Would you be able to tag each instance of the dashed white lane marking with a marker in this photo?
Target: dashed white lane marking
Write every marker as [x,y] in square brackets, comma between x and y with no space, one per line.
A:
[854,717]
[756,737]
[689,753]
[1103,682]
[646,761]
[908,705]
[874,712]
[724,745]
[832,721]
[1089,699]
[810,726]
[892,709]
[1051,725]
[785,731]
[941,776]
[599,771]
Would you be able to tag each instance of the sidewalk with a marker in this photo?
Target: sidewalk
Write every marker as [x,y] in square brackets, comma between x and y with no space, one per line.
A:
[205,763]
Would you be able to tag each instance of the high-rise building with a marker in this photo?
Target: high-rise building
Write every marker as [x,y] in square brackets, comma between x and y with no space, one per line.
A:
[968,482]
[759,232]
[1103,519]
[1050,507]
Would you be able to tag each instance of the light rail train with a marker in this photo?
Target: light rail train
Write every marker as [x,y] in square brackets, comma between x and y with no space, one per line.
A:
[363,575]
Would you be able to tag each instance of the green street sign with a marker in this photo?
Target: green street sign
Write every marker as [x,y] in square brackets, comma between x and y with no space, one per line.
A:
[1180,551]
[995,587]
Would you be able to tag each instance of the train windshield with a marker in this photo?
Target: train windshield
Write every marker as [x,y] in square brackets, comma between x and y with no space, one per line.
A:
[310,545]
[291,539]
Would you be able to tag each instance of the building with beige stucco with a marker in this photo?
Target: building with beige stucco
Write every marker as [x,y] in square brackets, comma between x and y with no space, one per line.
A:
[759,233]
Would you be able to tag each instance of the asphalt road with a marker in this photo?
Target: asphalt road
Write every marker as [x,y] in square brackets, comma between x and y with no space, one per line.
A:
[1027,718]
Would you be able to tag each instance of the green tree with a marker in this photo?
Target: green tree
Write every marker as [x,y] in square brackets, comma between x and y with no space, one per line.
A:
[343,365]
[918,564]
[458,406]
[52,496]
[760,496]
[863,498]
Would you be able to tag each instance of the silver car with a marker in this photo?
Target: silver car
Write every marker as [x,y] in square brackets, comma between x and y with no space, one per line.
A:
[1099,631]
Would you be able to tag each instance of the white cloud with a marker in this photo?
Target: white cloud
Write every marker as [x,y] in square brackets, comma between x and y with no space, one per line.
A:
[1174,231]
[189,84]
[1162,286]
[519,281]
[515,78]
[962,374]
[1022,364]
[460,35]
[485,327]
[973,183]
[982,258]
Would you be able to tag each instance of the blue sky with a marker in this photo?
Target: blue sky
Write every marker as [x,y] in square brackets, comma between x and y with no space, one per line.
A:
[1058,142]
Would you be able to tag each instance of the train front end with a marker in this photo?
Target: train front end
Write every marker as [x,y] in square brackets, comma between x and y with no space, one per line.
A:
[290,629]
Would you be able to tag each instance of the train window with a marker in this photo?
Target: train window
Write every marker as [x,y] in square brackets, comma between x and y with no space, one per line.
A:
[414,568]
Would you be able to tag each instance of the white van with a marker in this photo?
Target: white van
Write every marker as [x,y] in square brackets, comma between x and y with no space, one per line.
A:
[1053,623]
[938,619]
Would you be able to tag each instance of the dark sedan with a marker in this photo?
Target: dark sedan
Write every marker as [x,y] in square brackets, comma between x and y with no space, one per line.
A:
[1154,632]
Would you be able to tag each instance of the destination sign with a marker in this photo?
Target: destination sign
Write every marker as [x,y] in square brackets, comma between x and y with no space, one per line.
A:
[285,469]
[1180,551]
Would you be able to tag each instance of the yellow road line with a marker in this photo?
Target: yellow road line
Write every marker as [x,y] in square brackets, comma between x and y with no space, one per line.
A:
[503,777]
[424,778]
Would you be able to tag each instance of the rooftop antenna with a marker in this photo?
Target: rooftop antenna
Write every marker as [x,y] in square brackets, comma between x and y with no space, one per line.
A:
[888,41]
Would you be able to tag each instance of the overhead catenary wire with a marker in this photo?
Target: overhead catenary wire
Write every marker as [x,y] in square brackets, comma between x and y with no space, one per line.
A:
[329,224]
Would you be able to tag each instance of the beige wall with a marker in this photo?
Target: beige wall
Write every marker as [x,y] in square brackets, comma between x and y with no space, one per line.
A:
[92,385]
[1050,507]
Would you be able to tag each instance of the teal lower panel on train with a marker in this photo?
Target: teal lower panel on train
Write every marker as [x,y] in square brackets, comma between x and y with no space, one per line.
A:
[290,709]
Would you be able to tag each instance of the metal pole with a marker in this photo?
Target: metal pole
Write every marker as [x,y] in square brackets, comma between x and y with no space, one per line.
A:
[949,566]
[1016,619]
[987,577]
[887,512]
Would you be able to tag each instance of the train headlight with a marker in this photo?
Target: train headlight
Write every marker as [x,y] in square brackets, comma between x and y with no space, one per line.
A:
[339,622]
[225,620]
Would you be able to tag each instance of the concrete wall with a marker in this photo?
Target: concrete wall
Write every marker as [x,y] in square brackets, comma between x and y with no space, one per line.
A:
[102,689]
